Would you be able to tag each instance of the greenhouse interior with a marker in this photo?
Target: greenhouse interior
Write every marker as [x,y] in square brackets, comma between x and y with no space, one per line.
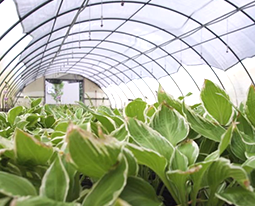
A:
[127,102]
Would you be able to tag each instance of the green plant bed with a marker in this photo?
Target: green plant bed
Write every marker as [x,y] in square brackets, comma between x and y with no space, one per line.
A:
[168,153]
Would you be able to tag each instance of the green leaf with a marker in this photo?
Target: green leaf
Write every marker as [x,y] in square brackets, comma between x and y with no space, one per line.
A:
[79,113]
[120,133]
[120,202]
[198,179]
[3,117]
[12,185]
[4,201]
[237,145]
[170,124]
[21,124]
[87,151]
[6,143]
[249,164]
[132,162]
[109,187]
[13,113]
[32,119]
[146,137]
[74,184]
[250,105]
[107,122]
[216,102]
[245,126]
[49,121]
[6,148]
[190,149]
[150,158]
[179,161]
[179,179]
[57,134]
[150,111]
[237,196]
[226,139]
[222,169]
[165,98]
[208,129]
[36,102]
[118,121]
[55,182]
[30,151]
[154,161]
[136,109]
[39,201]
[117,112]
[138,192]
[105,111]
[61,126]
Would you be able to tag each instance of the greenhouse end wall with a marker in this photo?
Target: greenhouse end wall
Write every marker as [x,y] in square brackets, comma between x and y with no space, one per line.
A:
[36,90]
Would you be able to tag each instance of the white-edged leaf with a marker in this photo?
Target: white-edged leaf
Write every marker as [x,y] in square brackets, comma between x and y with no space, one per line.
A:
[150,158]
[138,192]
[179,161]
[198,179]
[86,151]
[13,185]
[170,124]
[4,201]
[237,146]
[136,109]
[226,139]
[216,102]
[36,102]
[149,138]
[190,149]
[40,201]
[237,196]
[120,202]
[250,104]
[13,113]
[132,162]
[106,122]
[106,191]
[55,182]
[120,133]
[222,169]
[30,151]
[179,179]
[211,130]
[165,98]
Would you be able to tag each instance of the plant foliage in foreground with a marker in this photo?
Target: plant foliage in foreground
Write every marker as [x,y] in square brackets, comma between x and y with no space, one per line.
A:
[168,153]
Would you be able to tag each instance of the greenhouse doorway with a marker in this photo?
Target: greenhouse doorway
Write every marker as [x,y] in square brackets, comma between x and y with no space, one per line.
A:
[63,91]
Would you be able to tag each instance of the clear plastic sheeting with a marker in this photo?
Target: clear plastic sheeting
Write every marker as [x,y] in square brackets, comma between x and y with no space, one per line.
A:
[136,43]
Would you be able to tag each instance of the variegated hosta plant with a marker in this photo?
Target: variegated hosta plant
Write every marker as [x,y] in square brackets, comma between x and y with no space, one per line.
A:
[168,153]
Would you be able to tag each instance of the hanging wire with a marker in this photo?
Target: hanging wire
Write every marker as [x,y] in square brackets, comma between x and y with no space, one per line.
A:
[181,53]
[152,63]
[102,14]
[79,32]
[122,3]
[72,47]
[89,23]
[165,59]
[227,38]
[201,45]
